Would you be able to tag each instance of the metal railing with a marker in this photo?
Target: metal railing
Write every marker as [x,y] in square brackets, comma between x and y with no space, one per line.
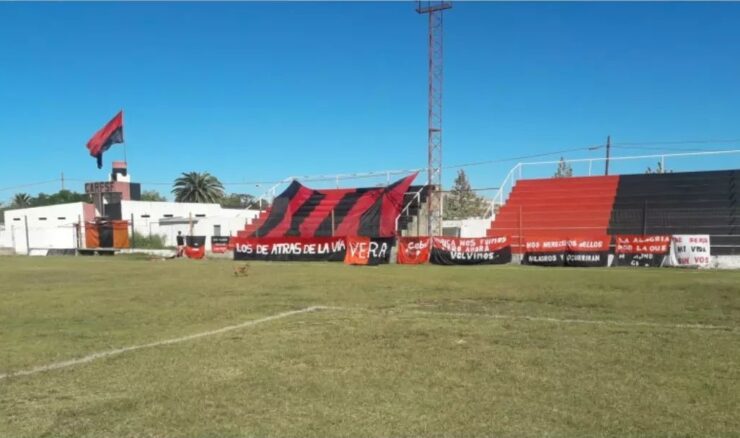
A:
[415,198]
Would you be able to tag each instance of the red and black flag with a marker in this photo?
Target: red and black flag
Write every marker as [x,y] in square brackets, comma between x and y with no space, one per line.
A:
[107,136]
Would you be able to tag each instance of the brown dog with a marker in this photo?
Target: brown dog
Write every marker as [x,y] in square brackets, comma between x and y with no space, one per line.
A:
[241,271]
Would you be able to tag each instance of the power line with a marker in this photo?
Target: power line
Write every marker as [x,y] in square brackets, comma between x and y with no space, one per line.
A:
[376,174]
[657,143]
[20,186]
[647,148]
[524,157]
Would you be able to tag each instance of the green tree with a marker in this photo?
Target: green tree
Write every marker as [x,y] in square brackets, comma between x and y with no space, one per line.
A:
[153,196]
[198,187]
[24,200]
[21,200]
[564,169]
[242,200]
[658,169]
[462,202]
[60,197]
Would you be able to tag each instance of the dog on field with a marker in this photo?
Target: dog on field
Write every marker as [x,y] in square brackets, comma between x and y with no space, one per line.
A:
[241,271]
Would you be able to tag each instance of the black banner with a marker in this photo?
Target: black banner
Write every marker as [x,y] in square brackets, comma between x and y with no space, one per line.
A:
[589,251]
[470,251]
[545,251]
[587,259]
[195,241]
[638,250]
[544,258]
[288,249]
[642,260]
[219,243]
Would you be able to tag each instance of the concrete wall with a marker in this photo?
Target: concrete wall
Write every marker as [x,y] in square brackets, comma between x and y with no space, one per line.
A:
[167,218]
[54,226]
[469,227]
[51,226]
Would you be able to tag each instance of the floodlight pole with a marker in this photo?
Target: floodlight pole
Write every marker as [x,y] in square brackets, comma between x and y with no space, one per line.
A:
[434,10]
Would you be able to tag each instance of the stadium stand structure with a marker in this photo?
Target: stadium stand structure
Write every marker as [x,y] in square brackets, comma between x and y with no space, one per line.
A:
[413,218]
[670,203]
[303,212]
[556,206]
[680,203]
[410,221]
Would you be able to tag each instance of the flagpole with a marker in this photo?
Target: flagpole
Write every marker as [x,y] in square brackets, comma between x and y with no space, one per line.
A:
[125,160]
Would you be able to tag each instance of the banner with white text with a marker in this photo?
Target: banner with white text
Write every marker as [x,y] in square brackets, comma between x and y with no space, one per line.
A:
[413,250]
[371,251]
[470,251]
[588,251]
[690,251]
[581,251]
[545,251]
[288,249]
[219,244]
[367,251]
[637,250]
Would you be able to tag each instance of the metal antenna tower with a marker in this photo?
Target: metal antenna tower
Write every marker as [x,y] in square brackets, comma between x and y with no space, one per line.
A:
[434,11]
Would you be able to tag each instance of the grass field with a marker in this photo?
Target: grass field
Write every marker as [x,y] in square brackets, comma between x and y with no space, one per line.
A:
[402,350]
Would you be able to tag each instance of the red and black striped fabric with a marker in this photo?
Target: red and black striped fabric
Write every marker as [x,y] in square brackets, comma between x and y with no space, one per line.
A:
[303,212]
[106,137]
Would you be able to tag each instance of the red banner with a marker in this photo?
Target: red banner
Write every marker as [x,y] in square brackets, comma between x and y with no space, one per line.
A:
[567,251]
[589,244]
[413,250]
[358,251]
[636,244]
[195,252]
[546,244]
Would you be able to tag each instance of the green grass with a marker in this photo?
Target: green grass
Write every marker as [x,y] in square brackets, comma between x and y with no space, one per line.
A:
[152,241]
[409,350]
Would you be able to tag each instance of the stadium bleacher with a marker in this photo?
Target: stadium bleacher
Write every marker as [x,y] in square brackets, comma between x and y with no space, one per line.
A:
[669,203]
[556,206]
[680,203]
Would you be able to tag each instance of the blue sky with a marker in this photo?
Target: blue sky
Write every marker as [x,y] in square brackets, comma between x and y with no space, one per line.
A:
[261,91]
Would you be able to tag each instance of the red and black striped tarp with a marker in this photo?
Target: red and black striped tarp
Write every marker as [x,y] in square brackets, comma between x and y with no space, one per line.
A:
[303,212]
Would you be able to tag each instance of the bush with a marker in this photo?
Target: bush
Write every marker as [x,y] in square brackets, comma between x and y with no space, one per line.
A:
[155,241]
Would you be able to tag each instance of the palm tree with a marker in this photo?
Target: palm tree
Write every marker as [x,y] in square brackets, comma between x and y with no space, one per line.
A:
[21,200]
[197,187]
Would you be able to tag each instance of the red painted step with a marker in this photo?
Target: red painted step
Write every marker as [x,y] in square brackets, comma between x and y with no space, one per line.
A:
[556,206]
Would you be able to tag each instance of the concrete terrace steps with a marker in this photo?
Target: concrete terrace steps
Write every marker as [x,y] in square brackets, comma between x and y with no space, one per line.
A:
[579,205]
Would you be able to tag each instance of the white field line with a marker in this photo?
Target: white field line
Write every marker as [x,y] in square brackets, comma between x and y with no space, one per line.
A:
[582,321]
[108,353]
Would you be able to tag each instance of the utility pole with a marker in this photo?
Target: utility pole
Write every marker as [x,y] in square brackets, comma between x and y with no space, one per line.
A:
[434,10]
[608,150]
[28,243]
[62,180]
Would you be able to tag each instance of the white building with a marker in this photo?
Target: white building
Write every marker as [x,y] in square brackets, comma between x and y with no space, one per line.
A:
[58,226]
[53,226]
[167,218]
[62,226]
